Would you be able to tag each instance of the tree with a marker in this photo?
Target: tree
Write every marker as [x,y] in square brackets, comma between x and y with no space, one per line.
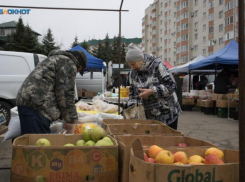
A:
[15,40]
[123,55]
[85,45]
[30,41]
[75,43]
[106,55]
[114,51]
[49,43]
[97,51]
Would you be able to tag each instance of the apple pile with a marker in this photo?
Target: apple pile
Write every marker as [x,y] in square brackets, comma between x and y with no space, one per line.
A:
[157,154]
[91,137]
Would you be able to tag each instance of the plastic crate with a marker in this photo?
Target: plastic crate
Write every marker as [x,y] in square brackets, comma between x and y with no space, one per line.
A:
[223,112]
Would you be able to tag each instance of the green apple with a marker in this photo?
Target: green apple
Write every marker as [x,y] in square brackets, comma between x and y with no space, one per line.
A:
[87,134]
[108,140]
[90,143]
[43,142]
[103,143]
[97,134]
[69,145]
[80,143]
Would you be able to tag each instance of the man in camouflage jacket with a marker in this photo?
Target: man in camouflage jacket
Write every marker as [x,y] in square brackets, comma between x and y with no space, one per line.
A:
[48,93]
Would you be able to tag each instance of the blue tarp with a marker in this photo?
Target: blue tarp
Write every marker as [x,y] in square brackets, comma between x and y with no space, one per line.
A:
[93,63]
[227,56]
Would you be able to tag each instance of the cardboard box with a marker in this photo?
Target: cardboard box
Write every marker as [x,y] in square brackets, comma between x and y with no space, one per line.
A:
[199,101]
[224,103]
[80,93]
[142,129]
[219,97]
[207,103]
[57,163]
[128,121]
[188,102]
[125,141]
[150,172]
[90,94]
[235,96]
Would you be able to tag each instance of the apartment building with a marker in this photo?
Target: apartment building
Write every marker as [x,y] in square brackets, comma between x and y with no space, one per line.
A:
[177,31]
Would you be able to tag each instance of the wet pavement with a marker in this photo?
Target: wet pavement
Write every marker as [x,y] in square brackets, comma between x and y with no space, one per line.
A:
[222,132]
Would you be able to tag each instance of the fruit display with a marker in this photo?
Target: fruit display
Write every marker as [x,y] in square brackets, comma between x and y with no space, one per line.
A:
[80,128]
[91,137]
[159,155]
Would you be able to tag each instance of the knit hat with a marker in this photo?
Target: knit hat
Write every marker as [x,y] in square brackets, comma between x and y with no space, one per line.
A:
[81,57]
[134,54]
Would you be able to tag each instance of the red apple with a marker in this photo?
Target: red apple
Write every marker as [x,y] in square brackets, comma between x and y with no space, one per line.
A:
[146,157]
[182,145]
[151,160]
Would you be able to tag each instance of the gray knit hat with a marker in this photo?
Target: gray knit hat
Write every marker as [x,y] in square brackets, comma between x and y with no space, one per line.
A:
[134,54]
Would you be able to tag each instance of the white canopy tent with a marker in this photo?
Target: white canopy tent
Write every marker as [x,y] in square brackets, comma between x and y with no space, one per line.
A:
[185,67]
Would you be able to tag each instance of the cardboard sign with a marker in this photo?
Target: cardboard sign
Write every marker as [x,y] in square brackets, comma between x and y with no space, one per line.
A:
[57,163]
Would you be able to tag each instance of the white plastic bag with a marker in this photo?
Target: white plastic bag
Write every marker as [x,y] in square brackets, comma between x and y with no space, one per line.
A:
[56,127]
[105,107]
[107,116]
[14,129]
[91,118]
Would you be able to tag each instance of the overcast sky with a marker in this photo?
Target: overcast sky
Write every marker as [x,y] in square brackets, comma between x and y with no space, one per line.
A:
[65,25]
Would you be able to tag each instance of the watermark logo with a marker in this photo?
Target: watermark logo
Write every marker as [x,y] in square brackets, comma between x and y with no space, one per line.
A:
[15,11]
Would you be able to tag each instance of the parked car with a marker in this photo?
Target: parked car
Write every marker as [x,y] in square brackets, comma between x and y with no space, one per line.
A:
[14,68]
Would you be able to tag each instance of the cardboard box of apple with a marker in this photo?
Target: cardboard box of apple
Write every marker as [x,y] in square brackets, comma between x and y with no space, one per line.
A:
[157,154]
[91,137]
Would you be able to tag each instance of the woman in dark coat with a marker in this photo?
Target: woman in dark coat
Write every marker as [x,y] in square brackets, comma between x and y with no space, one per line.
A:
[151,81]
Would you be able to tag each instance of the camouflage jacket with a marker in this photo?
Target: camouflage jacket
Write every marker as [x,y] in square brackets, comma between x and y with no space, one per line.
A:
[50,87]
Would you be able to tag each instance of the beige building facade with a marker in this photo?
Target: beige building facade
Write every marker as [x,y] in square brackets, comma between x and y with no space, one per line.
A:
[177,31]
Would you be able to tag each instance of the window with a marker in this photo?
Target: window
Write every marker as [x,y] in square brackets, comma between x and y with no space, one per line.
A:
[161,40]
[196,48]
[153,14]
[161,4]
[204,51]
[221,2]
[184,5]
[174,4]
[196,25]
[2,32]
[221,28]
[211,42]
[229,20]
[211,4]
[154,23]
[221,41]
[211,29]
[169,3]
[221,14]
[174,24]
[204,39]
[204,3]
[229,35]
[229,6]
[174,14]
[196,36]
[210,53]
[161,22]
[211,17]
[184,15]
[160,31]
[196,2]
[165,28]
[161,13]
[204,27]
[196,13]
[204,15]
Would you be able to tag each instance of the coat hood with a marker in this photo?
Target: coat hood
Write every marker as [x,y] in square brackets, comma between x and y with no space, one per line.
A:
[65,53]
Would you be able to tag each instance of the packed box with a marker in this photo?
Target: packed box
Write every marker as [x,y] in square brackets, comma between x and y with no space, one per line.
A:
[188,101]
[90,94]
[219,97]
[224,103]
[225,170]
[199,101]
[59,163]
[125,141]
[207,103]
[128,121]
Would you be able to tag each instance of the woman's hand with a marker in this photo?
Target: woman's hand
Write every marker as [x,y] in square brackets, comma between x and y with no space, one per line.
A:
[145,93]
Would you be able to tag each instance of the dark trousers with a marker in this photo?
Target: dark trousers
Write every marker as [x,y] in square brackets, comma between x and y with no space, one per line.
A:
[174,124]
[31,121]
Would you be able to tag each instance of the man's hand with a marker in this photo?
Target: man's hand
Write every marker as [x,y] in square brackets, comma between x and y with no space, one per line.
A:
[145,93]
[69,127]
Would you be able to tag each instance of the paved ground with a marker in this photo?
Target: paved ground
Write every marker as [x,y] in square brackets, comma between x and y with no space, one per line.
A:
[222,132]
